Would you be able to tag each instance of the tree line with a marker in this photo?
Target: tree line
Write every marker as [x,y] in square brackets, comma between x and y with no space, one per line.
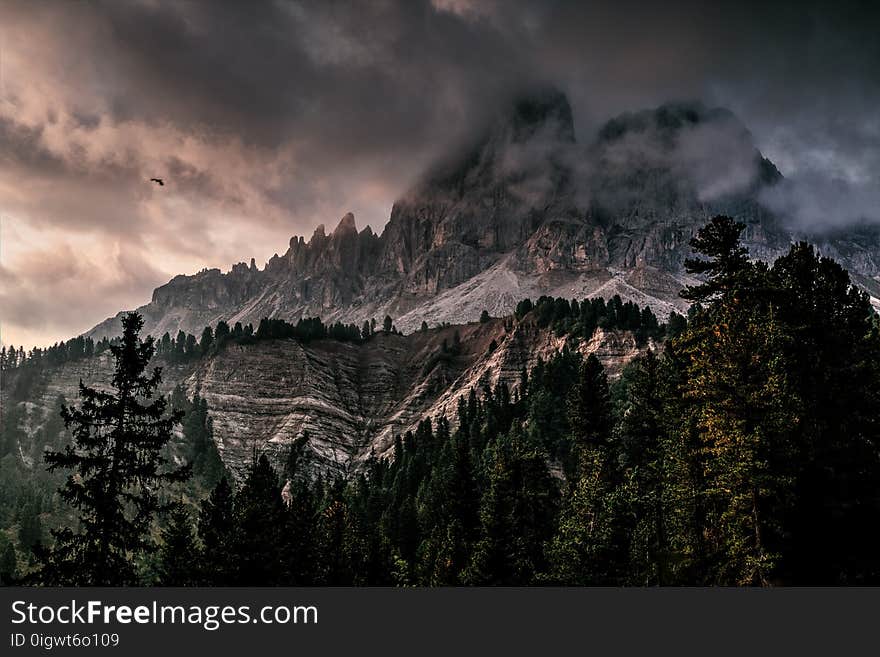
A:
[187,347]
[59,353]
[581,319]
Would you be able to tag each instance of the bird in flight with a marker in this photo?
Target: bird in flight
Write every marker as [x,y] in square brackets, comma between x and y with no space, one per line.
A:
[158,181]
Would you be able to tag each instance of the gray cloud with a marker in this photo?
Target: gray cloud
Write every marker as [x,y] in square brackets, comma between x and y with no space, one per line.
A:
[817,202]
[269,118]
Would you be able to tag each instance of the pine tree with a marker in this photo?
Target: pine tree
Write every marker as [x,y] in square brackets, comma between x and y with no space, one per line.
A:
[728,258]
[833,364]
[744,412]
[30,528]
[591,544]
[589,406]
[642,443]
[8,564]
[517,515]
[178,553]
[207,341]
[216,525]
[117,470]
[258,546]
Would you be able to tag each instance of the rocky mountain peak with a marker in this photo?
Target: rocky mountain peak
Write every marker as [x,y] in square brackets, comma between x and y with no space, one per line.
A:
[544,109]
[345,225]
[676,158]
[530,124]
[667,120]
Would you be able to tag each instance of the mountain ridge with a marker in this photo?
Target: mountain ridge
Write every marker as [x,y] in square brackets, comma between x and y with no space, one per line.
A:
[523,210]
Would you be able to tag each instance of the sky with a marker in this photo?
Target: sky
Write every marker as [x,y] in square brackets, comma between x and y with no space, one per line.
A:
[267,119]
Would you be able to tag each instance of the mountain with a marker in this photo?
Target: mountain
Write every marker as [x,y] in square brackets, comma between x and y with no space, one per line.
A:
[351,398]
[522,210]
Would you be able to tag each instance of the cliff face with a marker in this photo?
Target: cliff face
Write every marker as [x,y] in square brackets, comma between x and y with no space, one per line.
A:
[352,399]
[523,210]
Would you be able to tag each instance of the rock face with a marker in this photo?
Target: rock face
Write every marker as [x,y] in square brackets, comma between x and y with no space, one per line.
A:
[352,399]
[524,210]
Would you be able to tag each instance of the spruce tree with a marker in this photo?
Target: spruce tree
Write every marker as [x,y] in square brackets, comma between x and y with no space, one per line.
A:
[258,545]
[517,515]
[116,470]
[335,564]
[178,553]
[589,406]
[30,527]
[449,503]
[216,524]
[833,364]
[642,444]
[198,433]
[590,546]
[300,515]
[207,340]
[8,564]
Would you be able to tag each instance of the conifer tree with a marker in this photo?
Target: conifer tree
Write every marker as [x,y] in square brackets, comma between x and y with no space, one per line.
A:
[178,553]
[216,525]
[116,470]
[744,410]
[30,527]
[198,433]
[833,364]
[335,564]
[591,541]
[589,406]
[517,515]
[300,515]
[449,504]
[642,443]
[8,564]
[258,546]
[728,258]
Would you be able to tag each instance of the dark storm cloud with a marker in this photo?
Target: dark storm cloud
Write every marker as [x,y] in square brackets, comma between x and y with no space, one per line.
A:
[386,80]
[267,118]
[348,78]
